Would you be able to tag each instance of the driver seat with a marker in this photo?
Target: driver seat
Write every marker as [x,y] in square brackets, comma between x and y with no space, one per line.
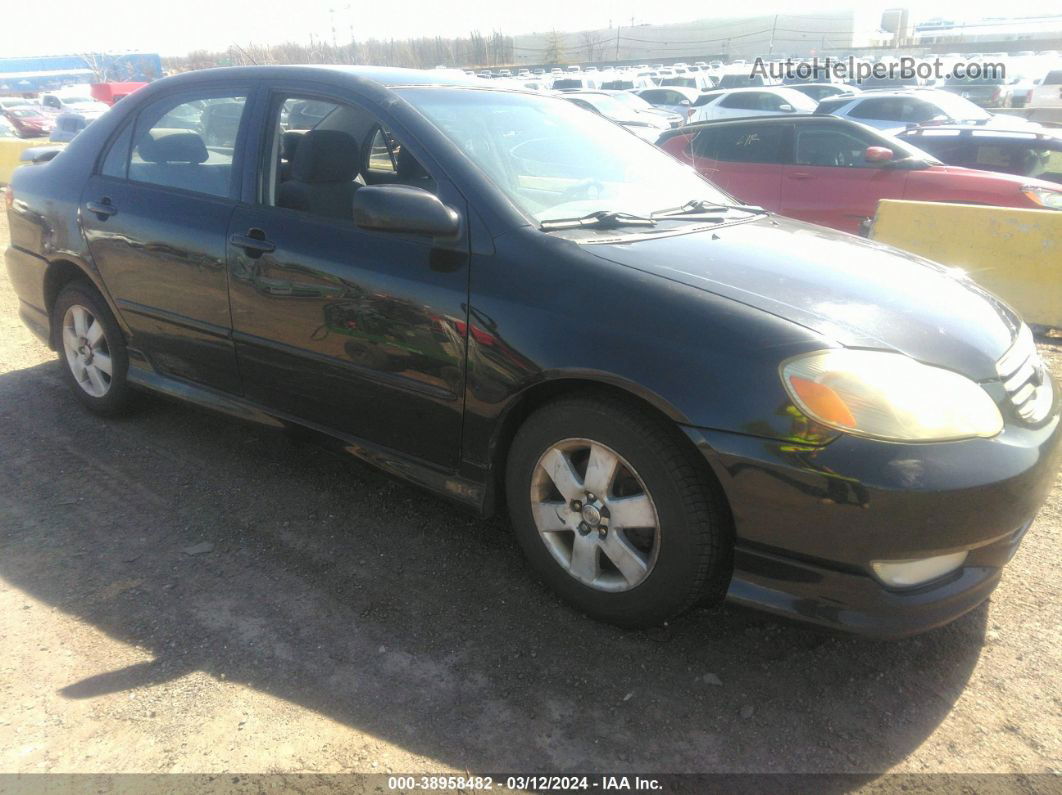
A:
[323,172]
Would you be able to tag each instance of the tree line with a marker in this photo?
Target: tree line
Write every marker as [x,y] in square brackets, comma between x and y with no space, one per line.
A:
[474,50]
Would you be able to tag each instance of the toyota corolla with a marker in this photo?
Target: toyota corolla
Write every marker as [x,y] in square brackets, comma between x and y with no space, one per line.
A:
[519,305]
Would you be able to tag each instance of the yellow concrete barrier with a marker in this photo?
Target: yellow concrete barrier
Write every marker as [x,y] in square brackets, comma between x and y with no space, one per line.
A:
[11,150]
[1016,254]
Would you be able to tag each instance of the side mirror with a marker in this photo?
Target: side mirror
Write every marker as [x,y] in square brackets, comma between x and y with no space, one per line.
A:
[39,154]
[877,154]
[785,107]
[684,103]
[401,208]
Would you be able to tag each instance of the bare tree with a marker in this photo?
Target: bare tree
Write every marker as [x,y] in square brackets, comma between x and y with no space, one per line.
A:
[97,63]
[554,53]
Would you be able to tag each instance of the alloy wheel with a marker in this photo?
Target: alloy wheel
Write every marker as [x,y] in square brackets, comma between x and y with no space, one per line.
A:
[87,352]
[594,515]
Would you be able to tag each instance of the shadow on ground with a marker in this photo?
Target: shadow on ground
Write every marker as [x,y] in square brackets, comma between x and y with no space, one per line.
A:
[391,611]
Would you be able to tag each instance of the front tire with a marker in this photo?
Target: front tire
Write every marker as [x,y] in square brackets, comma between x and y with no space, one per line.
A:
[91,349]
[614,513]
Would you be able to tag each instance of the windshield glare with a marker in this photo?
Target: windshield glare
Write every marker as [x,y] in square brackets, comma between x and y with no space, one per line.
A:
[959,108]
[632,100]
[610,107]
[555,160]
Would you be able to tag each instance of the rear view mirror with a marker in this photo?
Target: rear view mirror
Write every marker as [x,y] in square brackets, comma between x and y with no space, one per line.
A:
[877,154]
[400,208]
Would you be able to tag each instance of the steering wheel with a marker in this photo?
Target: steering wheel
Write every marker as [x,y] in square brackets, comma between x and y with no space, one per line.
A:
[582,188]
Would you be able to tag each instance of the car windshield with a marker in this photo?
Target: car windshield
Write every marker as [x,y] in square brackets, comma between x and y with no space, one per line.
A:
[555,160]
[959,108]
[632,100]
[608,106]
[23,113]
[966,80]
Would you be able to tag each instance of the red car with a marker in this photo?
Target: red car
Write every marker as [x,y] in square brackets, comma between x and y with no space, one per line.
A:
[28,121]
[833,172]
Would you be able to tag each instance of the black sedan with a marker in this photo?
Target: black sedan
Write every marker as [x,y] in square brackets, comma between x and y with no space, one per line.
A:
[519,305]
[1027,154]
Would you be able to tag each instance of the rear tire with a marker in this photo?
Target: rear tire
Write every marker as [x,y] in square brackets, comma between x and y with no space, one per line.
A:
[92,349]
[614,513]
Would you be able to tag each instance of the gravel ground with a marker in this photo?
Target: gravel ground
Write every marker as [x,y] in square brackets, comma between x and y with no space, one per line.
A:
[180,592]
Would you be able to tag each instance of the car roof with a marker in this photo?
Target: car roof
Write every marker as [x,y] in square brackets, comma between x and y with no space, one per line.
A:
[798,118]
[388,76]
[1047,134]
[692,92]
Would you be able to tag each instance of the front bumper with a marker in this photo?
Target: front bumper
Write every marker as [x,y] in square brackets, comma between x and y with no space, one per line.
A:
[809,521]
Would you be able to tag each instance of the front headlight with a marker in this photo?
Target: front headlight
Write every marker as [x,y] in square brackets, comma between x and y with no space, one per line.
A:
[889,396]
[1045,197]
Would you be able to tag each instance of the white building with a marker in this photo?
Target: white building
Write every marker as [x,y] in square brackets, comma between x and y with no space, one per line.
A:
[778,35]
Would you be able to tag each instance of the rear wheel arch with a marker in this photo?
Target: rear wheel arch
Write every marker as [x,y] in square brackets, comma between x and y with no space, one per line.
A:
[59,274]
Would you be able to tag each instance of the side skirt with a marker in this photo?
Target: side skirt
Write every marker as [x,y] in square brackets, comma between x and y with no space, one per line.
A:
[446,484]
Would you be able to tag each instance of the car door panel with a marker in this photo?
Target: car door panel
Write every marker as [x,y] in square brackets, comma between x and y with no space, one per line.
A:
[161,250]
[361,332]
[830,184]
[744,160]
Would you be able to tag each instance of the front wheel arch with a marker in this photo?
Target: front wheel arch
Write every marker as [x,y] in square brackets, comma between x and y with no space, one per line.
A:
[544,392]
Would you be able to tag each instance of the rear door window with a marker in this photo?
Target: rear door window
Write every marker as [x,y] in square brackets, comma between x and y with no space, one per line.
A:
[187,143]
[885,108]
[745,143]
[744,100]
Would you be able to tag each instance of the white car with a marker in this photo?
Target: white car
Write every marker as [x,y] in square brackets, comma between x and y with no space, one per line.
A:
[737,102]
[85,106]
[1048,92]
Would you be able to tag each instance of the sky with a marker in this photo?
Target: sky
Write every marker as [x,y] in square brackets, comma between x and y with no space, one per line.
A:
[175,27]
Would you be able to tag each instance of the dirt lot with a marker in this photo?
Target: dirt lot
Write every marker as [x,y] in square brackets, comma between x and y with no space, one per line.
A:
[181,592]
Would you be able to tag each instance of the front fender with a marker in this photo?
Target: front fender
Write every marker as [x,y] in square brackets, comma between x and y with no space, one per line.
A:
[543,311]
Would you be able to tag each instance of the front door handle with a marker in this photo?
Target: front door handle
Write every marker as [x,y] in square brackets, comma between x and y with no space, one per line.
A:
[103,209]
[798,175]
[254,243]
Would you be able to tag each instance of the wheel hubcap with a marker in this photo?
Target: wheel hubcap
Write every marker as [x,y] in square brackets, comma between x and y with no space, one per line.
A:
[594,515]
[87,352]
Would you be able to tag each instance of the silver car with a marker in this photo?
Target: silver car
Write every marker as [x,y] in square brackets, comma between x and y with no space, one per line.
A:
[893,111]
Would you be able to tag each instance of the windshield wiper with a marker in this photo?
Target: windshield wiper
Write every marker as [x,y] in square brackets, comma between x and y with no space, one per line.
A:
[605,219]
[701,207]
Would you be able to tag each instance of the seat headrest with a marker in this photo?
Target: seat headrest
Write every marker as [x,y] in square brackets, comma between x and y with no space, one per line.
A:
[178,147]
[325,156]
[289,145]
[408,167]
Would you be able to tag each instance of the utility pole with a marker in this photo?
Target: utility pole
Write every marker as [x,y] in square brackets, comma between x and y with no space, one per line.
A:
[770,48]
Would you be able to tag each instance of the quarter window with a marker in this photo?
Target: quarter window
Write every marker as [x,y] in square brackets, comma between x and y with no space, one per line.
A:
[117,160]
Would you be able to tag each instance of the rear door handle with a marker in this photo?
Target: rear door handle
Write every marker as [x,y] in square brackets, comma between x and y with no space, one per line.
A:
[798,175]
[254,243]
[103,209]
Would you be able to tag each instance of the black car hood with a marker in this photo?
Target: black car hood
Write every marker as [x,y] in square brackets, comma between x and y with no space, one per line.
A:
[852,291]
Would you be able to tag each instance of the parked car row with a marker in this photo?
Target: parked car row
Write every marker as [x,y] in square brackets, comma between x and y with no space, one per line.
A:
[60,114]
[1025,79]
[832,171]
